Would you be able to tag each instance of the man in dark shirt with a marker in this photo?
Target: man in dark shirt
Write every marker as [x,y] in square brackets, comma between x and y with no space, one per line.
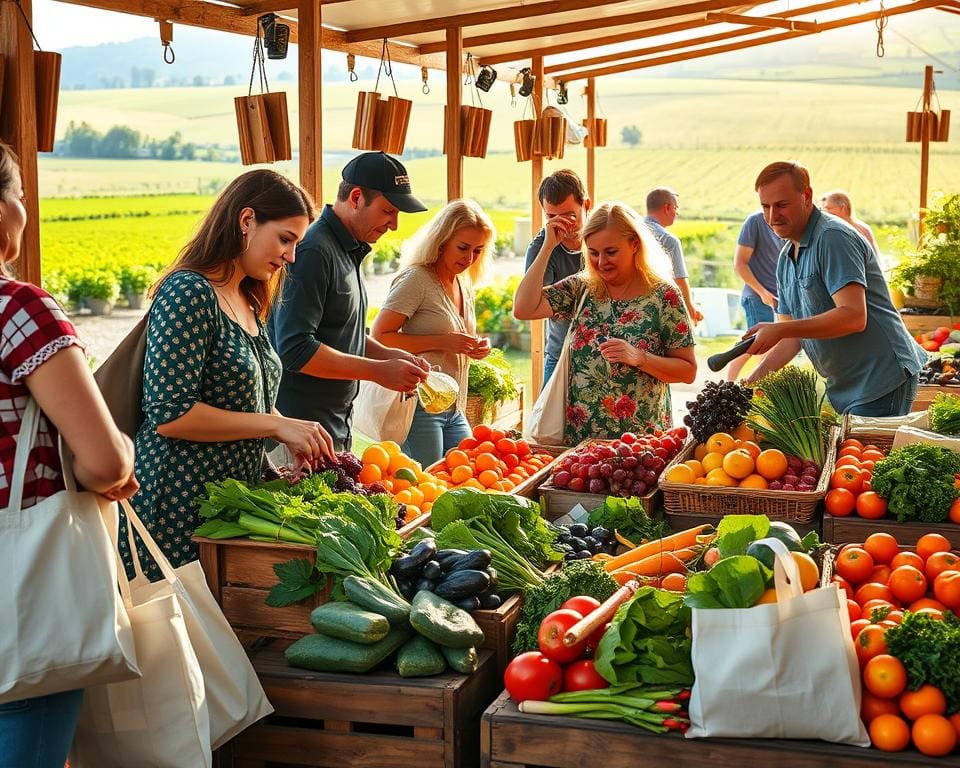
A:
[565,204]
[319,326]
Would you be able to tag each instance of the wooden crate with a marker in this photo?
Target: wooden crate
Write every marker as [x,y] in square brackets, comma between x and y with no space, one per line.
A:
[511,739]
[529,486]
[377,720]
[925,323]
[843,530]
[240,575]
[505,415]
[926,393]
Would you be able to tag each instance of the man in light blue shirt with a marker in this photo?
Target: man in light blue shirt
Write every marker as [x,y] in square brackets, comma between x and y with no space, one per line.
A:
[662,207]
[833,301]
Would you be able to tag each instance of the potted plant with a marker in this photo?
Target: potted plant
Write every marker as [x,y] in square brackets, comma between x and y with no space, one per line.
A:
[135,281]
[503,246]
[930,273]
[96,289]
[381,260]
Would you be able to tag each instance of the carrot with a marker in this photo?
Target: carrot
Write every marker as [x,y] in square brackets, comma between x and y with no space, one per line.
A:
[679,540]
[622,577]
[660,564]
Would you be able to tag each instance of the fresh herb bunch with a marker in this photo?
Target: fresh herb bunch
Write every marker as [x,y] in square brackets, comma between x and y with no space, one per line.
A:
[930,650]
[720,407]
[945,414]
[580,577]
[788,410]
[491,379]
[627,517]
[918,482]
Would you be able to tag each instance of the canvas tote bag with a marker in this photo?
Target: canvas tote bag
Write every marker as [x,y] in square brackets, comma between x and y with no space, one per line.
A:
[161,720]
[548,418]
[383,414]
[786,670]
[62,623]
[120,379]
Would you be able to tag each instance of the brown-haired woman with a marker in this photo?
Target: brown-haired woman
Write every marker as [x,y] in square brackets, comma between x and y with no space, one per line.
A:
[210,375]
[631,336]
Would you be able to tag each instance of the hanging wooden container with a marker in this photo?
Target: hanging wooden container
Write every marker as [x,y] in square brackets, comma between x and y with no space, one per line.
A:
[596,132]
[930,125]
[943,129]
[380,125]
[523,131]
[398,120]
[279,121]
[474,130]
[365,120]
[914,125]
[550,135]
[46,73]
[263,124]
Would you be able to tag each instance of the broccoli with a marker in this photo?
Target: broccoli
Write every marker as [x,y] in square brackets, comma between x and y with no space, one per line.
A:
[918,482]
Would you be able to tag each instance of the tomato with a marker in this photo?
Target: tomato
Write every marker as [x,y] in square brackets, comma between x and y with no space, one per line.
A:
[840,502]
[933,735]
[858,625]
[873,591]
[930,543]
[885,676]
[946,587]
[628,438]
[848,461]
[870,642]
[847,477]
[596,636]
[907,583]
[880,574]
[926,700]
[871,506]
[873,605]
[889,732]
[872,706]
[907,558]
[582,604]
[955,511]
[939,562]
[854,610]
[883,547]
[550,636]
[844,585]
[533,676]
[582,676]
[851,450]
[872,455]
[854,564]
[851,441]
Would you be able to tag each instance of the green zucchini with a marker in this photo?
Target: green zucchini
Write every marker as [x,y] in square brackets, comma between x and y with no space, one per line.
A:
[349,622]
[331,654]
[374,596]
[444,623]
[420,658]
[464,660]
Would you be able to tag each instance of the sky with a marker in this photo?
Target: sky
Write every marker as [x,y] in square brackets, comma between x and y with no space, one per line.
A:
[61,25]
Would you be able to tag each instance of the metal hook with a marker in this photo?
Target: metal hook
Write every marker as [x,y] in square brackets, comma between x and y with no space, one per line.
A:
[351,63]
[513,94]
[426,85]
[168,55]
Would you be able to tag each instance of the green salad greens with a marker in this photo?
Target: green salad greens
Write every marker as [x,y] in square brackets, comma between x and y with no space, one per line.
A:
[918,482]
[491,379]
[944,414]
[627,517]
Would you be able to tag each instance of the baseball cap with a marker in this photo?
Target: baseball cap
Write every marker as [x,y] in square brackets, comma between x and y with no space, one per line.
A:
[385,174]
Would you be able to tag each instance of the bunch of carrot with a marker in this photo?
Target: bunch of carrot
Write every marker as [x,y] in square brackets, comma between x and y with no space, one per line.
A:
[655,559]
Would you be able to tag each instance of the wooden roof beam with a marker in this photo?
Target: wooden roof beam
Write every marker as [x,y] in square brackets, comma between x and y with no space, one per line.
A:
[919,5]
[949,9]
[475,19]
[763,21]
[742,32]
[278,6]
[600,22]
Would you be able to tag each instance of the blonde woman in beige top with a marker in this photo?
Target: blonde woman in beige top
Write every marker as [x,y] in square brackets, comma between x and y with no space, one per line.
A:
[430,312]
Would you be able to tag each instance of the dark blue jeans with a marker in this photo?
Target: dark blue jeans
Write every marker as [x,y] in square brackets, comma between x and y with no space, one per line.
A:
[896,403]
[37,733]
[433,434]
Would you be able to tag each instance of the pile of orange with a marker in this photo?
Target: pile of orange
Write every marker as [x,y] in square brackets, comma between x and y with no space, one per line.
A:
[729,461]
[401,476]
[880,575]
[489,460]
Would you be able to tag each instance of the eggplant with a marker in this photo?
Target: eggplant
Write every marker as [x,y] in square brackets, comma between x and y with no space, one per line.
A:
[579,545]
[419,556]
[579,530]
[407,587]
[490,601]
[444,556]
[431,570]
[469,604]
[425,585]
[460,584]
[474,560]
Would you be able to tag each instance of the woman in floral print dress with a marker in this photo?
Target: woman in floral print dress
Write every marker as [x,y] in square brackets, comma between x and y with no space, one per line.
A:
[630,334]
[210,375]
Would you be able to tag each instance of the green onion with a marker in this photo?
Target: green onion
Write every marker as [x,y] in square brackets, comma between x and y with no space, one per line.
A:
[787,409]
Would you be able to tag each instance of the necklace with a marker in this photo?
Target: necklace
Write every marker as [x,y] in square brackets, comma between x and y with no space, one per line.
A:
[233,312]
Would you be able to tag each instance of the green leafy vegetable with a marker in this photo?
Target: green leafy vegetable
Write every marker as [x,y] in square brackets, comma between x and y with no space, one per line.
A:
[655,710]
[579,577]
[734,582]
[944,414]
[648,641]
[628,517]
[735,532]
[298,581]
[514,573]
[491,379]
[917,481]
[930,650]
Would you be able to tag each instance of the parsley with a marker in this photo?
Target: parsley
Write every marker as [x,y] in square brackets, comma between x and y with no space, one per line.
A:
[930,650]
[918,482]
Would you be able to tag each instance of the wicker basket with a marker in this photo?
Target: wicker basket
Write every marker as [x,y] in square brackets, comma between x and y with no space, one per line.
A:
[791,506]
[509,411]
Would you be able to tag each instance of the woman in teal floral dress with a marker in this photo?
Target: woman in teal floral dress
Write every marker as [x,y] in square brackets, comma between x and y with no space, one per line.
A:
[210,375]
[630,334]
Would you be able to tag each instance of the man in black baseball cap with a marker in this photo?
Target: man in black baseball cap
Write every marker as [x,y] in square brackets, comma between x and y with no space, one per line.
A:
[319,326]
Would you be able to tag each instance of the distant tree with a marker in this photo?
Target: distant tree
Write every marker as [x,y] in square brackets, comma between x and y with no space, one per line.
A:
[170,147]
[81,140]
[120,141]
[229,80]
[631,135]
[134,77]
[188,151]
[148,76]
[198,81]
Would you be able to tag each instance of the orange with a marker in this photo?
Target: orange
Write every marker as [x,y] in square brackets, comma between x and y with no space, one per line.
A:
[738,464]
[387,483]
[930,543]
[399,461]
[939,562]
[426,506]
[870,642]
[697,467]
[377,456]
[926,700]
[461,474]
[873,591]
[506,445]
[482,432]
[934,735]
[390,447]
[946,588]
[883,547]
[429,490]
[745,433]
[416,496]
[926,602]
[872,707]
[680,473]
[721,442]
[907,558]
[474,483]
[885,676]
[769,596]
[457,458]
[486,447]
[370,473]
[400,485]
[711,461]
[955,511]
[889,733]
[486,461]
[403,497]
[955,719]
[488,478]
[809,573]
[772,464]
[719,477]
[754,481]
[700,451]
[750,447]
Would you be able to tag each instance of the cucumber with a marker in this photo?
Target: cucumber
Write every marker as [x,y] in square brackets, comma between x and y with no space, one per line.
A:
[463,660]
[349,622]
[474,560]
[420,658]
[444,623]
[457,585]
[331,654]
[373,596]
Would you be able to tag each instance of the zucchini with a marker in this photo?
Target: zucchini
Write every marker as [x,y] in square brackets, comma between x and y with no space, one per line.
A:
[349,622]
[444,623]
[420,555]
[374,596]
[457,585]
[464,660]
[446,556]
[474,560]
[331,654]
[420,658]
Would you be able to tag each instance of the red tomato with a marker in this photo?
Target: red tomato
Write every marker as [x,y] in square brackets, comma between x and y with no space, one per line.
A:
[848,478]
[871,506]
[844,585]
[582,604]
[582,676]
[533,676]
[854,564]
[550,636]
[840,502]
[946,587]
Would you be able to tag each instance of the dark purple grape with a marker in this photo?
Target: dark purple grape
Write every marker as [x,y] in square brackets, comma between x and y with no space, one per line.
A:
[598,485]
[649,477]
[619,475]
[630,462]
[374,488]
[561,479]
[639,488]
[594,471]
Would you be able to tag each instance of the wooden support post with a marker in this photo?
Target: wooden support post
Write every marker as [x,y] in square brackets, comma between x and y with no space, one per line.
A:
[451,127]
[310,94]
[537,327]
[591,93]
[18,125]
[925,142]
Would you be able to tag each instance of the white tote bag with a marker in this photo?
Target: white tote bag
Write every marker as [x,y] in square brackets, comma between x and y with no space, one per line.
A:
[786,670]
[235,699]
[383,414]
[161,720]
[548,418]
[62,623]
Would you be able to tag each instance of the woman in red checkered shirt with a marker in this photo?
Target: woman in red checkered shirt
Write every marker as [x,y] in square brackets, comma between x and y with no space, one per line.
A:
[41,356]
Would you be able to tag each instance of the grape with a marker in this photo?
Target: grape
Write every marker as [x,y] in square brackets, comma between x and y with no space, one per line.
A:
[598,485]
[619,475]
[593,471]
[720,407]
[561,479]
[606,470]
[374,488]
